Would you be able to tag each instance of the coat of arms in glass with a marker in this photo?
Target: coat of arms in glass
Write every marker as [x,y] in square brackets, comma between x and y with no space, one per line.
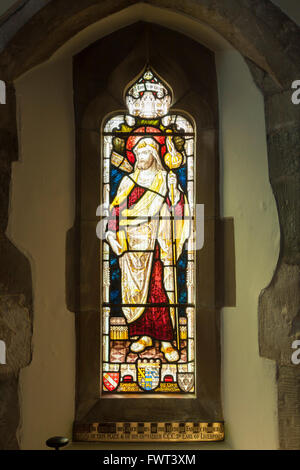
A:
[148,256]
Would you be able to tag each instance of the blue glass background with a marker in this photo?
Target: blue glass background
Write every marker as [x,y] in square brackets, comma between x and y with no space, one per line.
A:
[116,176]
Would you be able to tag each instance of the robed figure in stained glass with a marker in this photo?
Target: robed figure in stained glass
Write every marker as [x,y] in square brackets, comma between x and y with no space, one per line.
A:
[148,252]
[148,226]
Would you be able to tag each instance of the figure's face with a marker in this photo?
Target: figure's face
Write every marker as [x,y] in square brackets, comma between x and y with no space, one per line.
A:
[144,159]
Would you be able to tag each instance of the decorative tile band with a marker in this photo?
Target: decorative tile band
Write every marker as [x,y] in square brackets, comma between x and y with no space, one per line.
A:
[149,432]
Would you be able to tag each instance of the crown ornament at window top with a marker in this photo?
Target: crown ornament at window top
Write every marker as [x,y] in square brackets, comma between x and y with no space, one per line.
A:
[148,97]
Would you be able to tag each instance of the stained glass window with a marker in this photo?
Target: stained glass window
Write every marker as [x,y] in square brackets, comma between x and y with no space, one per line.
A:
[147,255]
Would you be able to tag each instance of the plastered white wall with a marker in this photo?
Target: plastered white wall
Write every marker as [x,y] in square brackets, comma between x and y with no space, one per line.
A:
[249,392]
[42,210]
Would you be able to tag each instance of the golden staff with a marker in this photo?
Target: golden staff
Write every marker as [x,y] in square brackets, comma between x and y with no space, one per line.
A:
[173,159]
[174,252]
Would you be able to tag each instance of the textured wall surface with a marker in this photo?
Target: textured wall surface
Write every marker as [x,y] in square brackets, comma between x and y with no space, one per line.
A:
[15,290]
[290,8]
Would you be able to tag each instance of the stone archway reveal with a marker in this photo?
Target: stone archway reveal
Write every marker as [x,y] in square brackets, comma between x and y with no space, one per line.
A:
[270,43]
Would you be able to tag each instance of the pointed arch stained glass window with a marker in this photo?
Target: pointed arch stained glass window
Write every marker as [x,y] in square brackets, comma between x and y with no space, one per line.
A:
[147,257]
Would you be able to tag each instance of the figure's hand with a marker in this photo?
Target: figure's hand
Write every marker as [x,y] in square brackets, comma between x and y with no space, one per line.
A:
[115,246]
[173,187]
[172,180]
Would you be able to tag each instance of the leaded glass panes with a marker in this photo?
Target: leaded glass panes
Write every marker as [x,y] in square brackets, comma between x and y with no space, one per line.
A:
[147,256]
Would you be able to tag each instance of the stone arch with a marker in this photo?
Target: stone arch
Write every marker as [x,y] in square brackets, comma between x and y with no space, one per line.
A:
[270,43]
[247,25]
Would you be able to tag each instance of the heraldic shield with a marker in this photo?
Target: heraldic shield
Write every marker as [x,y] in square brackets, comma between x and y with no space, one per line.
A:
[111,380]
[149,374]
[186,381]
